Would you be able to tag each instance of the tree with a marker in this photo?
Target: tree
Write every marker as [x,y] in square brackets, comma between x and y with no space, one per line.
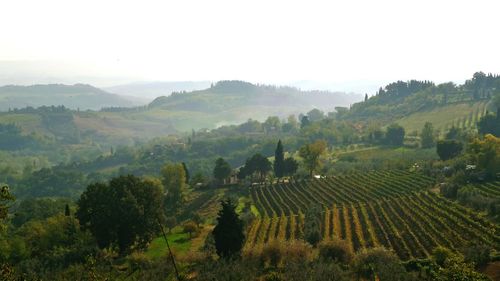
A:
[448,149]
[124,212]
[427,135]
[272,123]
[395,135]
[366,97]
[311,154]
[222,169]
[38,209]
[496,102]
[454,134]
[186,172]
[486,153]
[489,124]
[228,233]
[378,264]
[257,164]
[170,223]
[451,266]
[315,115]
[190,227]
[67,212]
[291,125]
[196,218]
[290,166]
[173,179]
[279,159]
[304,122]
[5,198]
[312,225]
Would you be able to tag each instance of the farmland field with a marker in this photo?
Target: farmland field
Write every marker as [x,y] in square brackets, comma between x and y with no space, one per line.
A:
[461,115]
[391,209]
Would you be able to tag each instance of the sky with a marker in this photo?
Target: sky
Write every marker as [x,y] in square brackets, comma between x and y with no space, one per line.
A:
[336,43]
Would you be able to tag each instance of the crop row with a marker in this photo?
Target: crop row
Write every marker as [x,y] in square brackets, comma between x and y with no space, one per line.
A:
[491,189]
[411,224]
[289,198]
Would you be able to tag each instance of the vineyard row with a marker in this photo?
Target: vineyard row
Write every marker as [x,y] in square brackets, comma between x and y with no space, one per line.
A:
[412,225]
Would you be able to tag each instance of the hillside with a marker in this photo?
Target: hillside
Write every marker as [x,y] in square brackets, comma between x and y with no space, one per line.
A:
[151,90]
[232,102]
[366,197]
[463,115]
[389,209]
[228,102]
[412,103]
[78,96]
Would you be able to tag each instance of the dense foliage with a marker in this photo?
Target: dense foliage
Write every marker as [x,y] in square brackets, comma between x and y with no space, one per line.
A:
[228,233]
[123,213]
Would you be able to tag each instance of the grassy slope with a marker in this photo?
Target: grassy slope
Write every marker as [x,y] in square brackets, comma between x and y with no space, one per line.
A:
[178,241]
[444,117]
[205,202]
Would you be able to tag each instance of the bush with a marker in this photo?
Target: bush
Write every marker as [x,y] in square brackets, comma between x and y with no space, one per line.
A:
[448,149]
[279,253]
[297,252]
[336,250]
[378,262]
[191,228]
[227,269]
[441,254]
[317,271]
[272,254]
[477,254]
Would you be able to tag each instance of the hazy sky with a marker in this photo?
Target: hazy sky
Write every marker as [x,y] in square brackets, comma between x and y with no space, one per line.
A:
[259,41]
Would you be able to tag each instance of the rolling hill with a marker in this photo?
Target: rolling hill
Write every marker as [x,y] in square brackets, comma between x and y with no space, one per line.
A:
[152,90]
[233,102]
[78,96]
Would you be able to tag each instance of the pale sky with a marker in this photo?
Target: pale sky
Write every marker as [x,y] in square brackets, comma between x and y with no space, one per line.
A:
[258,41]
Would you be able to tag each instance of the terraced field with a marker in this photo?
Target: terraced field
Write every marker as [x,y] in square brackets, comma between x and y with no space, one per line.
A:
[390,209]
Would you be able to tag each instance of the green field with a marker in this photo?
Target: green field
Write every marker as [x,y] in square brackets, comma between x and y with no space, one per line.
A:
[462,115]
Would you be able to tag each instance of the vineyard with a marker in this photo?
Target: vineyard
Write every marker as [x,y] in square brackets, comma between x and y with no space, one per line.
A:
[490,190]
[468,121]
[390,209]
[460,115]
[290,198]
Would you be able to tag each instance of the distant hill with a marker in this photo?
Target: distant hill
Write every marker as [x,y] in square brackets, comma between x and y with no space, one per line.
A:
[233,102]
[226,102]
[151,90]
[78,96]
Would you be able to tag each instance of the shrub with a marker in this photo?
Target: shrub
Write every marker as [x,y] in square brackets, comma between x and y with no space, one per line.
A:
[380,263]
[336,250]
[191,228]
[448,149]
[272,254]
[297,251]
[441,254]
[477,254]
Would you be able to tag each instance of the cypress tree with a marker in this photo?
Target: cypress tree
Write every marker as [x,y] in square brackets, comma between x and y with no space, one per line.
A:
[186,172]
[228,233]
[279,159]
[67,212]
